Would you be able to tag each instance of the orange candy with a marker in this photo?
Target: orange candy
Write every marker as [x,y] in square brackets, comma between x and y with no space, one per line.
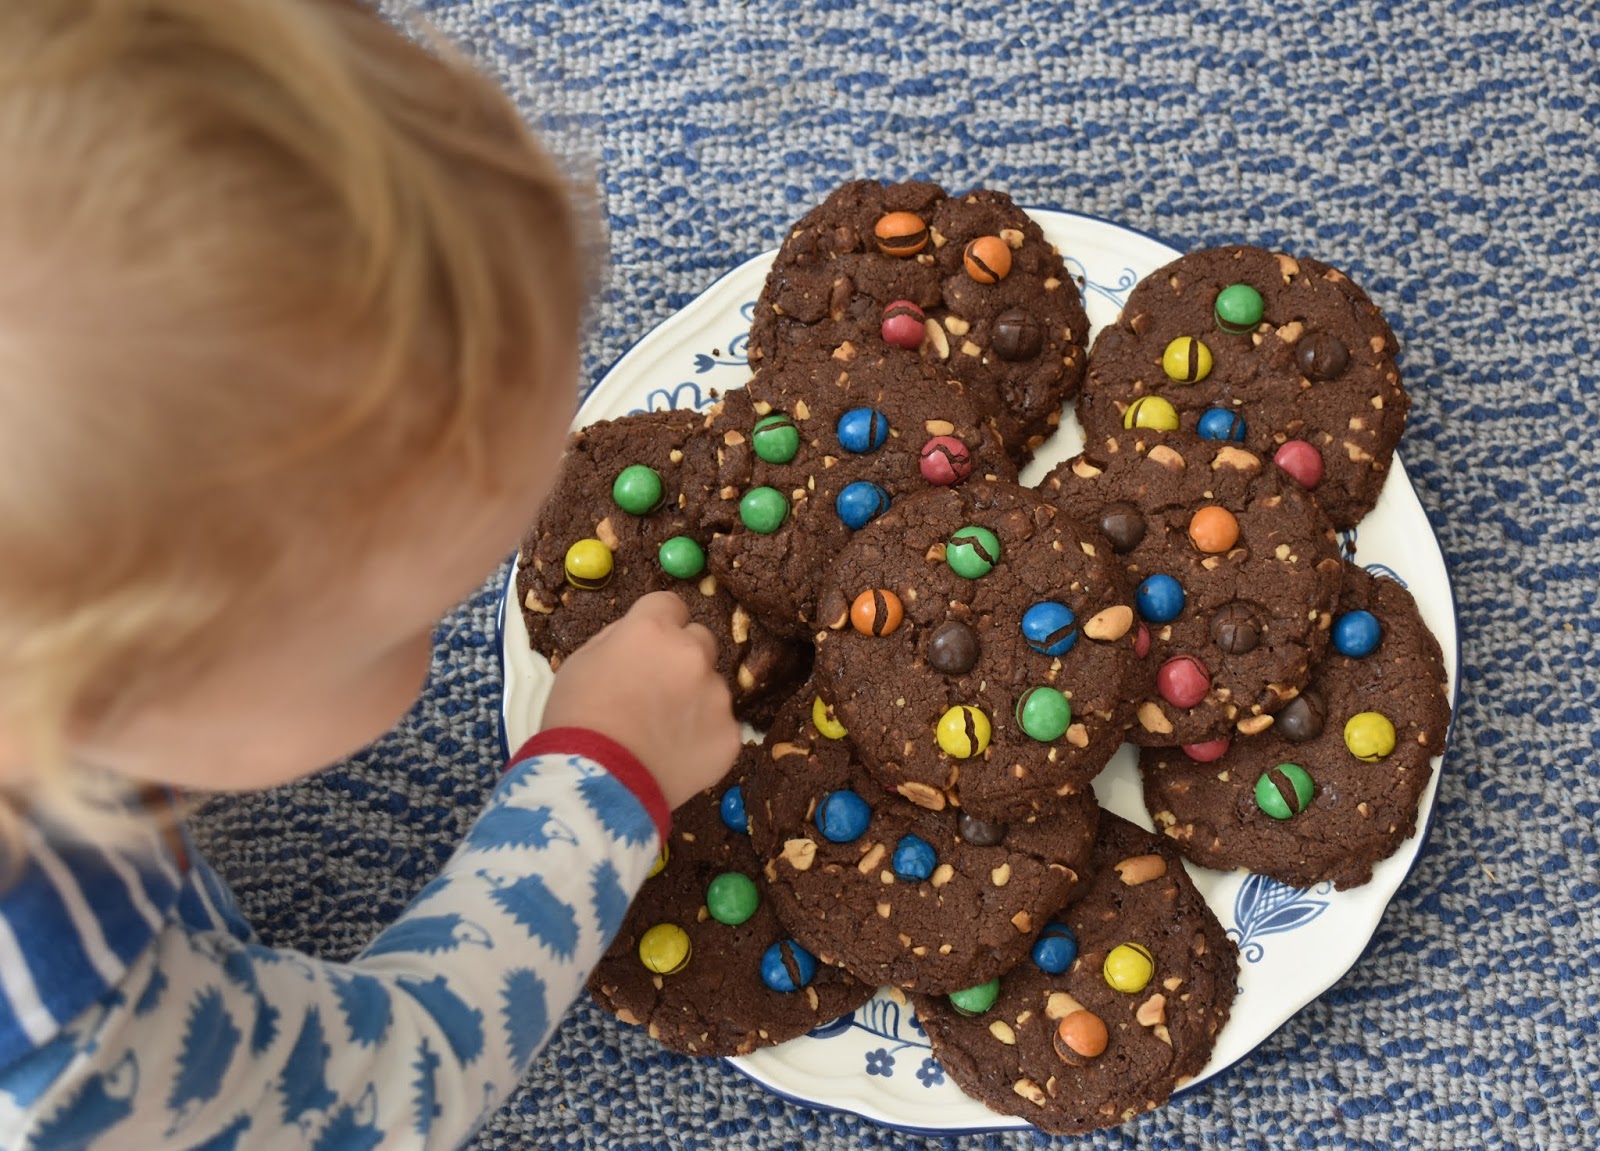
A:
[1213,529]
[876,612]
[1080,1036]
[988,259]
[901,234]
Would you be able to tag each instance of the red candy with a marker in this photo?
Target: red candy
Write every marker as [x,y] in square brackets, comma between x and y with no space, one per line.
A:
[945,461]
[1183,681]
[1141,642]
[1208,752]
[1302,461]
[903,325]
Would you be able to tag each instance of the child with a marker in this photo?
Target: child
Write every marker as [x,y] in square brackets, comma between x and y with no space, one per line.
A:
[288,325]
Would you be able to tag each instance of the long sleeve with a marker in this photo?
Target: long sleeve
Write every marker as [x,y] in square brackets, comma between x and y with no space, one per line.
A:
[211,1042]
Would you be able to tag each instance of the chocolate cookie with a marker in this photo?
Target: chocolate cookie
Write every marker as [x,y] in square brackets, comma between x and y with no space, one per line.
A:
[979,648]
[893,892]
[1125,1008]
[998,310]
[838,435]
[1237,573]
[701,949]
[1344,764]
[1286,356]
[633,511]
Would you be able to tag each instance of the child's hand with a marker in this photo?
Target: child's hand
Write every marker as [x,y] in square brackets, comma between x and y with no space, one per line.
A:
[649,681]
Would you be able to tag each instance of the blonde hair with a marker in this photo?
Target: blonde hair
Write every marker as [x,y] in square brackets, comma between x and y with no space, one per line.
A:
[259,260]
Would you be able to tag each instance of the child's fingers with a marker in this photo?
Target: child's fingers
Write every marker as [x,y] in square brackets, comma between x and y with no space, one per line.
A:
[662,606]
[701,634]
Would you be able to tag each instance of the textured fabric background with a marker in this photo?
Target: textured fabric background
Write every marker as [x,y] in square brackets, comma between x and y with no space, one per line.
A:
[1445,154]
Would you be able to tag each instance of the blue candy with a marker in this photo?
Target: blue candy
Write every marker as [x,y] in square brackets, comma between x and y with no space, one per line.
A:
[1356,634]
[842,816]
[1160,599]
[733,812]
[860,503]
[1048,628]
[776,976]
[1221,424]
[1055,949]
[914,858]
[863,430]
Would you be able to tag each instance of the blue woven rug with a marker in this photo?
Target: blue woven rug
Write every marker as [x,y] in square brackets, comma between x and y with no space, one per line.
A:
[1445,155]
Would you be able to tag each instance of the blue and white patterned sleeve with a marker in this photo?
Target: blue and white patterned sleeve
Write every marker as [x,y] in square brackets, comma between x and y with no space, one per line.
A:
[212,1043]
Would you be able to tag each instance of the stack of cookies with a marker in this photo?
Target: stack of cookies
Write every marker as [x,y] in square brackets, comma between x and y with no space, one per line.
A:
[943,660]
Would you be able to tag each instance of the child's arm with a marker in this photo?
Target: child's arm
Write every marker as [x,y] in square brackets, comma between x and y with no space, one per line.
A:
[417,1040]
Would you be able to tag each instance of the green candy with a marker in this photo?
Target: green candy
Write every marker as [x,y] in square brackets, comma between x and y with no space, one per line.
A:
[776,439]
[732,898]
[1239,309]
[682,557]
[1044,713]
[1270,800]
[763,510]
[976,1000]
[637,490]
[972,552]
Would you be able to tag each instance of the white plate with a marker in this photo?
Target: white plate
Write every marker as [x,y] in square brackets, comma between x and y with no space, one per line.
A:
[1293,944]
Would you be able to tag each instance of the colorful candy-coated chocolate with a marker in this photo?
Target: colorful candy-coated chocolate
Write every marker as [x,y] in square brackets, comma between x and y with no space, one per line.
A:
[914,859]
[1141,642]
[987,259]
[1055,949]
[1302,718]
[1183,681]
[1239,309]
[842,816]
[1080,1037]
[1276,787]
[904,325]
[1234,628]
[1050,628]
[732,898]
[763,510]
[823,719]
[731,808]
[1043,713]
[637,490]
[980,832]
[972,552]
[1124,525]
[776,975]
[1017,335]
[1186,360]
[963,731]
[900,234]
[1221,424]
[1302,461]
[1208,752]
[1160,598]
[660,864]
[863,430]
[1213,529]
[1128,967]
[775,438]
[1369,735]
[876,612]
[1151,412]
[952,648]
[681,557]
[1356,634]
[976,1000]
[860,503]
[945,462]
[665,949]
[589,565]
[1321,356]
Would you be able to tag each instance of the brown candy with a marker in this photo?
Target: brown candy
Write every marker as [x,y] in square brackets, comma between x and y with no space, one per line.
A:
[952,648]
[1123,524]
[1303,719]
[1018,335]
[1321,356]
[988,259]
[901,234]
[1080,1037]
[1235,629]
[979,832]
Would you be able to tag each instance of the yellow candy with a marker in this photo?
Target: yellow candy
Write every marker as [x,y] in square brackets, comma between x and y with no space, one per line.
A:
[660,864]
[822,719]
[665,949]
[1369,736]
[588,565]
[1186,360]
[1151,412]
[1129,967]
[953,736]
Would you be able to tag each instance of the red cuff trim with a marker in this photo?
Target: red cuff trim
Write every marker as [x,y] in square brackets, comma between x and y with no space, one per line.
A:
[623,765]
